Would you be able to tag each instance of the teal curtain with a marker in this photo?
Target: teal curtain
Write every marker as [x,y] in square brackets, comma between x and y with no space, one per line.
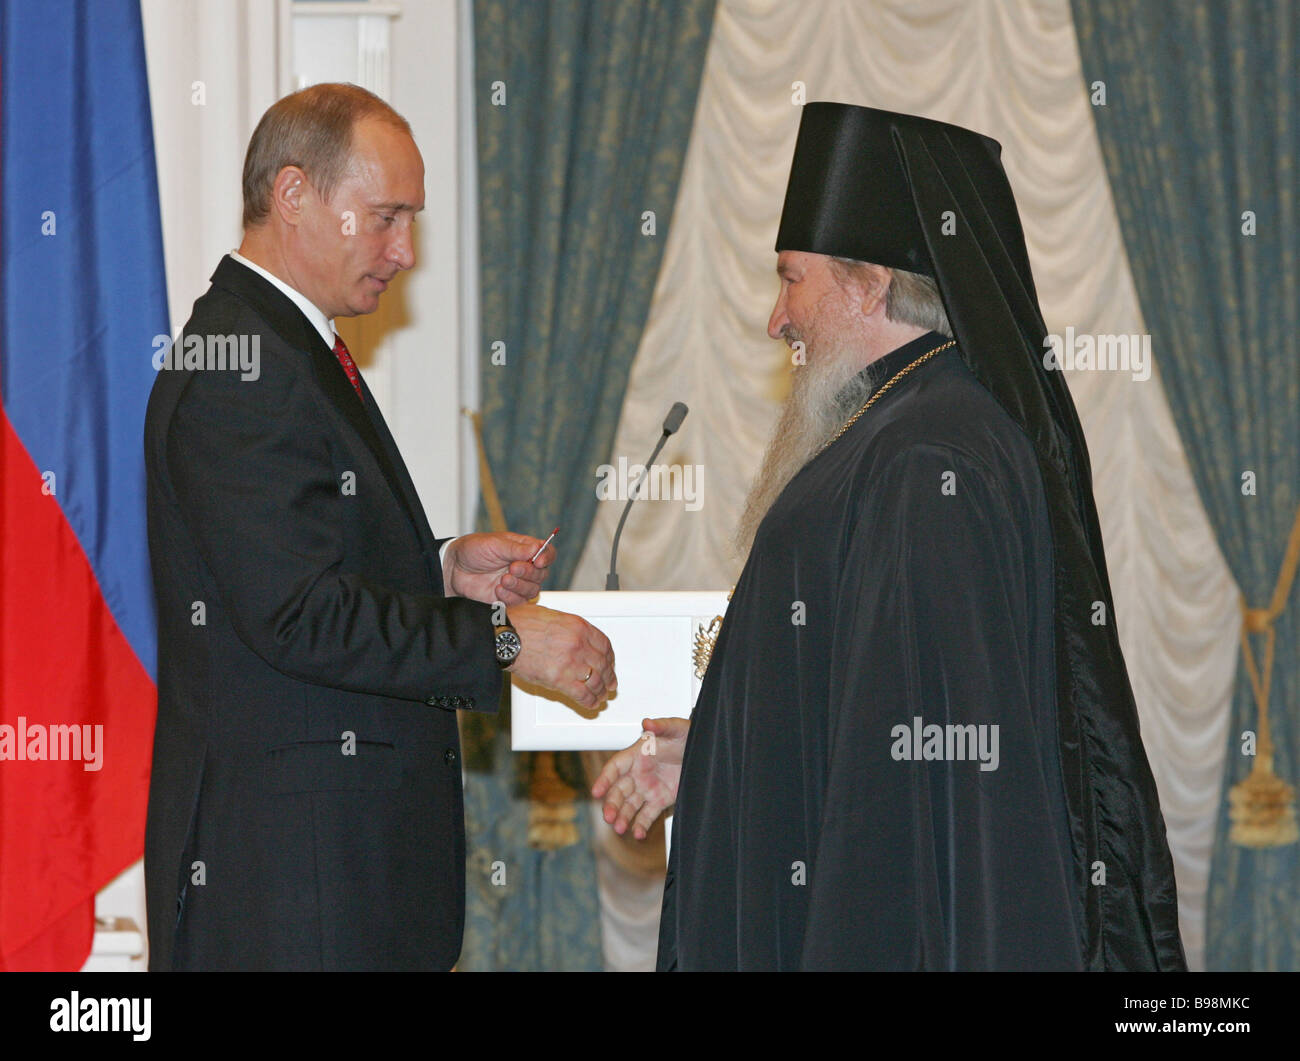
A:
[1200,130]
[584,109]
[526,910]
[594,107]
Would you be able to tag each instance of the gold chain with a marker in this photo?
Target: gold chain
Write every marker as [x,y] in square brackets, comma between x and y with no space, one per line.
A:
[888,383]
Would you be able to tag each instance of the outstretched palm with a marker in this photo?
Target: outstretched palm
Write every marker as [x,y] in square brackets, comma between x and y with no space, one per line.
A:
[639,783]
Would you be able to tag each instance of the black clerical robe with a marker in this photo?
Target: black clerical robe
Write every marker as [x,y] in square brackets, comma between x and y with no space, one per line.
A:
[872,778]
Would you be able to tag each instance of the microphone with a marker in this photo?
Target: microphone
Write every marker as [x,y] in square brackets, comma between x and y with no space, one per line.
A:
[671,423]
[674,419]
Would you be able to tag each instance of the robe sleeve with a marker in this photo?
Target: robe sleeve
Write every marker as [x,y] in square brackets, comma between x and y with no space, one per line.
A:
[944,620]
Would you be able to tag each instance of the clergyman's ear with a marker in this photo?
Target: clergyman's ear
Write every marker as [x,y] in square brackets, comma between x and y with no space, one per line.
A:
[873,286]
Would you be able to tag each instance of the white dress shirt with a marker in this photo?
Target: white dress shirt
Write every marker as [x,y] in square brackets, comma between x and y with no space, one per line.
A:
[310,310]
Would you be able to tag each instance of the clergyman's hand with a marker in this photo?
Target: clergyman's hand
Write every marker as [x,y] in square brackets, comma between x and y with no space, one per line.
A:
[495,567]
[639,783]
[564,653]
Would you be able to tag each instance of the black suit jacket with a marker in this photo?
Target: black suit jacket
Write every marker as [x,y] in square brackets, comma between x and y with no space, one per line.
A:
[305,807]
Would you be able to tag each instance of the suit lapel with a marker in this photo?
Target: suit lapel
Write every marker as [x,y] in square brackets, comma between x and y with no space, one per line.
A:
[401,474]
[362,418]
[289,322]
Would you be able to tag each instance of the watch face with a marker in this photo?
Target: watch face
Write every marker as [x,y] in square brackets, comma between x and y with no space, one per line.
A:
[508,646]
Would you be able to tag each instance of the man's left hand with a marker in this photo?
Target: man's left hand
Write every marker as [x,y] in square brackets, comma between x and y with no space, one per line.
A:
[495,567]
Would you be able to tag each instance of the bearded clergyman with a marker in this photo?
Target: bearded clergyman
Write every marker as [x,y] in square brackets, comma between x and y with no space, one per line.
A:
[915,746]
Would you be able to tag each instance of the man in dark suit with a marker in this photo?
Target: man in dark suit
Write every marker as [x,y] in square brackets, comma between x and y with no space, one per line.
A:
[315,639]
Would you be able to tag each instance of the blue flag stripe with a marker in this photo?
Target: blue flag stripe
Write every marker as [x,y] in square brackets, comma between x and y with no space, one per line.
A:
[83,278]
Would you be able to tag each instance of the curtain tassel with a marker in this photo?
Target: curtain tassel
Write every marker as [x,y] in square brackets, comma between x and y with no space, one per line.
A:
[552,810]
[1262,807]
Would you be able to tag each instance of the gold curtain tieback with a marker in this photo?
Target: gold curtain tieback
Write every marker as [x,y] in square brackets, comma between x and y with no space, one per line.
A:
[1262,807]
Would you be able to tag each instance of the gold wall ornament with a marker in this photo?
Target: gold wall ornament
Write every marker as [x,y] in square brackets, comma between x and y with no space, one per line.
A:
[705,639]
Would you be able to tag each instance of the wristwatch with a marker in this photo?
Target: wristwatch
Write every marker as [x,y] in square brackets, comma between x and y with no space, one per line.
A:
[508,645]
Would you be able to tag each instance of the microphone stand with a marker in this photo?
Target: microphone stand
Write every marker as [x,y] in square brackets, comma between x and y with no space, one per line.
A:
[611,579]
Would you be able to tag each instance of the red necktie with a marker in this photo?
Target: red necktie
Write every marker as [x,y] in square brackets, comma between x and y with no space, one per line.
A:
[349,366]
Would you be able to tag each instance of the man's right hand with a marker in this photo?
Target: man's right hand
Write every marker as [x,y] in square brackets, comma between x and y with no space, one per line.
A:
[639,783]
[563,653]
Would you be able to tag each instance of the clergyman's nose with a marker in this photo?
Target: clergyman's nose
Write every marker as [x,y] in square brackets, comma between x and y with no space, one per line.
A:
[778,320]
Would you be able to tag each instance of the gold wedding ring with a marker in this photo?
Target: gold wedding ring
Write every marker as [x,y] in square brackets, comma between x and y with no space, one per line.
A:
[588,675]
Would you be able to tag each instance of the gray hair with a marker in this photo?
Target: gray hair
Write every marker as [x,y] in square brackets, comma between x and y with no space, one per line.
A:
[912,298]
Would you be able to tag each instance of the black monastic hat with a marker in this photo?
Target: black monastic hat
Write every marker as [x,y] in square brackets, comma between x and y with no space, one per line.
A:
[848,194]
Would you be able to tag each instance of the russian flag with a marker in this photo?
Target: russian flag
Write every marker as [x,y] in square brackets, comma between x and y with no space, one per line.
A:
[84,295]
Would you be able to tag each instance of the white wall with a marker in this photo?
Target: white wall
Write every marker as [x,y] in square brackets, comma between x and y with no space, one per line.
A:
[409,350]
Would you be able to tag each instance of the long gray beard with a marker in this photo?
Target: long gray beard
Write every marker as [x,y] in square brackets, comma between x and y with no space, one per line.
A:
[825,393]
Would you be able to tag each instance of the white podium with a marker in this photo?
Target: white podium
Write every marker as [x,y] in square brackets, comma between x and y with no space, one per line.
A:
[653,635]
